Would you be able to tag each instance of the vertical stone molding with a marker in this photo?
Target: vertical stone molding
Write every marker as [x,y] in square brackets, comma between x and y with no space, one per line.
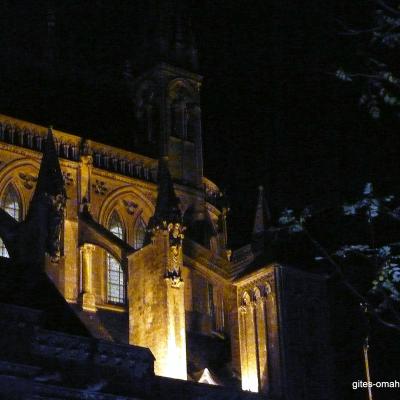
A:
[176,358]
[259,336]
[85,172]
[88,297]
[274,356]
[248,345]
[261,333]
[223,219]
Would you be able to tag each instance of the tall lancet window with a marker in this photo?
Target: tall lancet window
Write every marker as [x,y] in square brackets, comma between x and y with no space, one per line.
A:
[140,233]
[115,274]
[3,250]
[10,203]
[115,226]
[115,281]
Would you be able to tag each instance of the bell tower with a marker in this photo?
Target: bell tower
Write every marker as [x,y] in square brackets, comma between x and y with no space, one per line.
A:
[167,96]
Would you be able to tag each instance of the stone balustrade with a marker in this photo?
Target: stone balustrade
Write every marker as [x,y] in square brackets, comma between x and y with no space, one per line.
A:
[71,149]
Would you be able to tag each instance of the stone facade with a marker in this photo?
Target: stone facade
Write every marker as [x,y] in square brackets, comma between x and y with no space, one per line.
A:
[144,259]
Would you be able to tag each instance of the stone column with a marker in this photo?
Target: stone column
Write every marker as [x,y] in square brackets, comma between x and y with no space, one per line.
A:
[176,334]
[243,348]
[248,348]
[274,356]
[262,344]
[88,297]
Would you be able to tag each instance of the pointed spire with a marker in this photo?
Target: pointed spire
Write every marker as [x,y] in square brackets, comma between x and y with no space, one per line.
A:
[50,180]
[262,214]
[167,206]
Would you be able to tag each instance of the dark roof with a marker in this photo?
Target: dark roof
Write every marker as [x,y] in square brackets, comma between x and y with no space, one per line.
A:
[284,248]
[38,292]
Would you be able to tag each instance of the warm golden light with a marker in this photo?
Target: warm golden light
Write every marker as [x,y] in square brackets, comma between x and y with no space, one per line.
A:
[250,380]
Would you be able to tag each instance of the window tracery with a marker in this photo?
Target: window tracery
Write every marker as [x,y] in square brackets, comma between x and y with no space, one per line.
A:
[115,274]
[11,204]
[115,226]
[140,233]
[115,281]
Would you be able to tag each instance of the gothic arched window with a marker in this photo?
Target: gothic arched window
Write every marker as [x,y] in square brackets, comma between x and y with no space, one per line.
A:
[115,274]
[115,281]
[140,233]
[3,250]
[11,204]
[115,226]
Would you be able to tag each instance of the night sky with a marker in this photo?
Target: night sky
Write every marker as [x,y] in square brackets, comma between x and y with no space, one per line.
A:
[273,112]
[277,115]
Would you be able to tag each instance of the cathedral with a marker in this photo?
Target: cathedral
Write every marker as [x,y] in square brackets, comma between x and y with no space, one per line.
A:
[120,254]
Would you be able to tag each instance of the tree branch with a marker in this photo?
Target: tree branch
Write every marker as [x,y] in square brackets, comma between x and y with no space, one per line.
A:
[387,7]
[338,271]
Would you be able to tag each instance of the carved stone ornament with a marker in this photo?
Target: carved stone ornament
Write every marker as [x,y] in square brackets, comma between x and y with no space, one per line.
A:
[68,180]
[176,236]
[176,233]
[174,258]
[28,180]
[243,309]
[268,288]
[100,187]
[175,280]
[130,206]
[53,245]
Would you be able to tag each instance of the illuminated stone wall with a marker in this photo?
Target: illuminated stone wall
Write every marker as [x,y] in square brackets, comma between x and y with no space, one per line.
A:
[269,315]
[283,333]
[156,308]
[259,332]
[106,181]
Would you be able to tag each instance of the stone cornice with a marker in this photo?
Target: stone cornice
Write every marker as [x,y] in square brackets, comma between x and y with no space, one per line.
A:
[265,271]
